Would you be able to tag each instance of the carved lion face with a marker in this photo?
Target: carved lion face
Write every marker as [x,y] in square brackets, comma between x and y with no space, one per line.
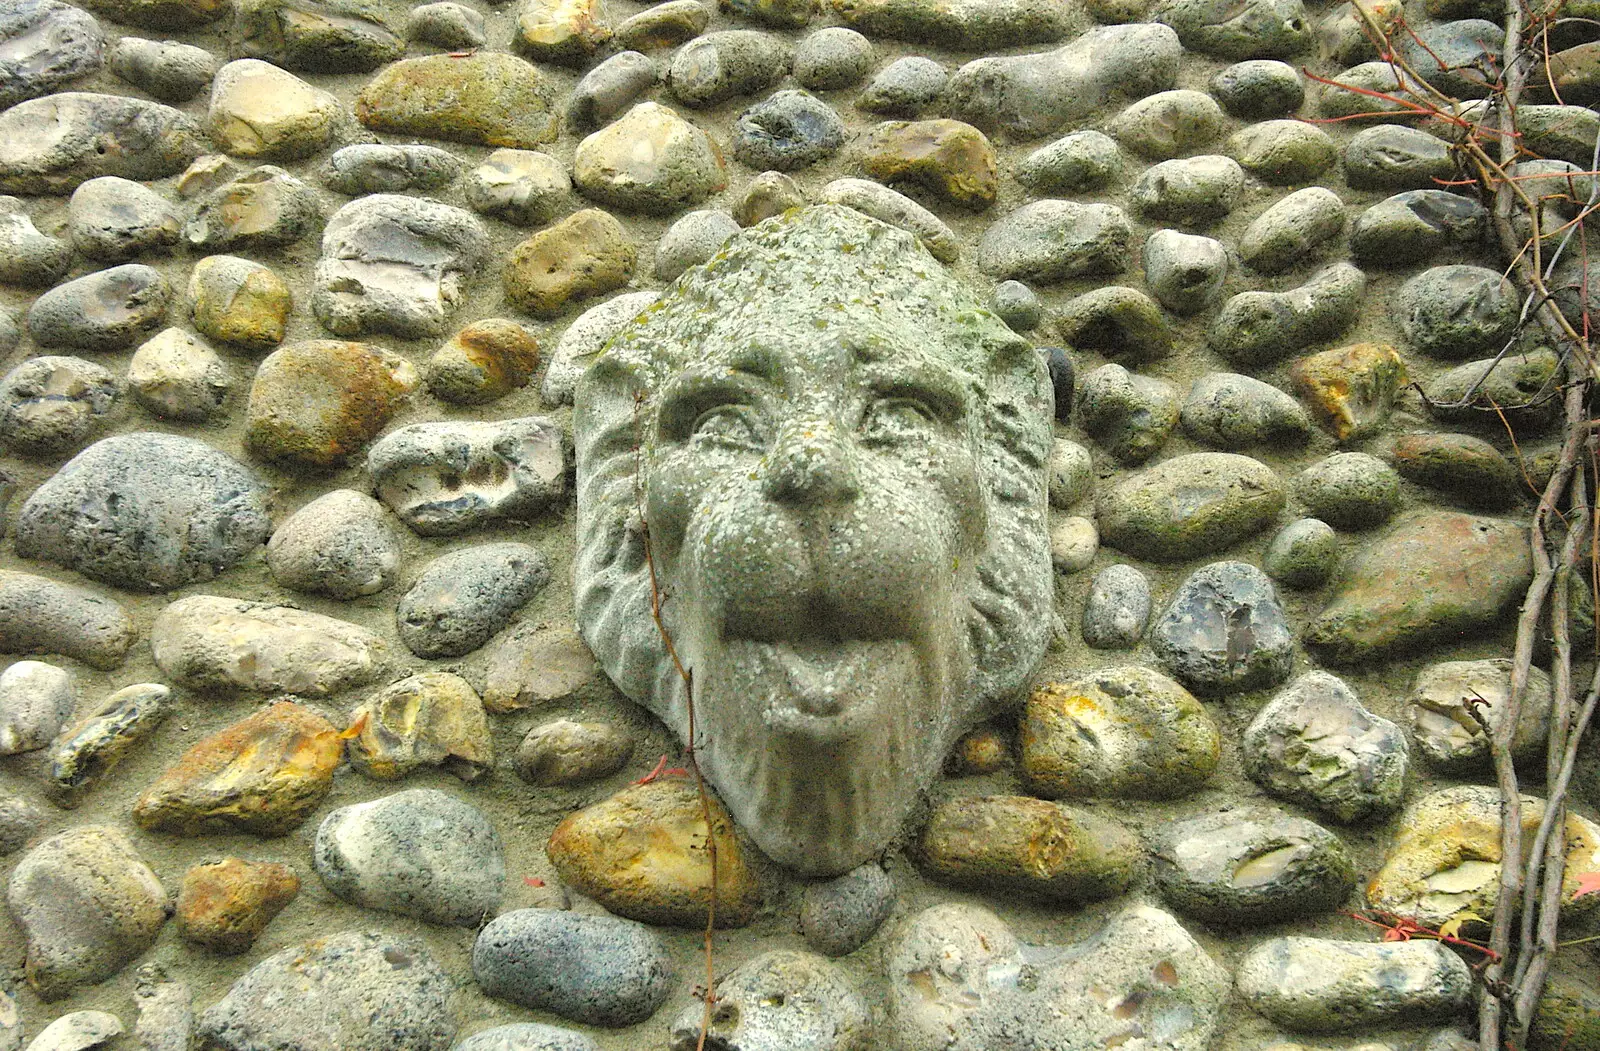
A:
[840,458]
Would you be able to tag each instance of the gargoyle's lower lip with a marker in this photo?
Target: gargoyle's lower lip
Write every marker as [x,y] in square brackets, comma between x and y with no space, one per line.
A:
[826,687]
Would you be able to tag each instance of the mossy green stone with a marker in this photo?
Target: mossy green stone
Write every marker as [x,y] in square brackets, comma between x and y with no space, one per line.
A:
[485,99]
[1190,506]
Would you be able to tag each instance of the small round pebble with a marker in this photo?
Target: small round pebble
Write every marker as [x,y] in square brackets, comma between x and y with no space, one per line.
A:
[50,404]
[787,130]
[116,219]
[167,70]
[20,820]
[768,194]
[483,362]
[1084,160]
[609,88]
[1303,554]
[1259,89]
[1118,609]
[35,700]
[1349,490]
[1071,474]
[174,375]
[1185,271]
[341,544]
[464,597]
[838,916]
[832,58]
[565,752]
[1458,311]
[454,27]
[692,240]
[1017,305]
[1073,543]
[905,87]
[108,310]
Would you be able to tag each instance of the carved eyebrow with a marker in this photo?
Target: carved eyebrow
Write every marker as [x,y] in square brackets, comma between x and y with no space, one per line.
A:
[703,387]
[945,393]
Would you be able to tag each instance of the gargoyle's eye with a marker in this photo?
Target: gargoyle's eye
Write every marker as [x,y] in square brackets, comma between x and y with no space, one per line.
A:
[729,427]
[891,420]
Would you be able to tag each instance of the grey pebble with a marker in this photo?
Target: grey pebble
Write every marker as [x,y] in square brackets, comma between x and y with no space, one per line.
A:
[781,1000]
[20,821]
[349,991]
[462,598]
[1117,610]
[1184,271]
[107,512]
[1258,328]
[719,66]
[1225,631]
[1416,225]
[55,143]
[49,405]
[1084,160]
[114,219]
[1251,866]
[1071,474]
[175,375]
[170,71]
[1317,985]
[1394,157]
[840,915]
[1461,58]
[166,1011]
[598,970]
[690,241]
[1349,490]
[1458,311]
[446,478]
[1194,191]
[1303,554]
[768,194]
[370,167]
[454,27]
[77,1031]
[527,1036]
[1017,305]
[28,257]
[896,209]
[563,752]
[1234,30]
[108,310]
[1228,411]
[1117,322]
[45,45]
[421,853]
[1168,124]
[40,615]
[1315,744]
[609,88]
[340,544]
[1514,389]
[263,208]
[787,130]
[1259,89]
[1050,240]
[520,186]
[1129,414]
[904,88]
[832,58]
[35,700]
[1296,227]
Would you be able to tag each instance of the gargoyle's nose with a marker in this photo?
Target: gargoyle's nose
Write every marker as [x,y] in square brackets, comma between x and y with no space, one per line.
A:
[811,462]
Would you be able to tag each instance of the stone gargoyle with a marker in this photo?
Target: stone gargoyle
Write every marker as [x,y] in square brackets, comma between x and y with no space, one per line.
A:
[840,456]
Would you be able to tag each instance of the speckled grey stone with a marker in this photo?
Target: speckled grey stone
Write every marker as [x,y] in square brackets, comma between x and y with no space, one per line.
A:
[40,615]
[20,821]
[107,513]
[832,58]
[114,219]
[28,257]
[1225,631]
[1071,474]
[108,310]
[447,478]
[263,208]
[527,1036]
[1117,322]
[1259,89]
[583,340]
[1129,414]
[35,699]
[49,405]
[454,27]
[1224,498]
[166,1011]
[904,88]
[174,375]
[598,970]
[1315,744]
[1284,152]
[838,916]
[1228,411]
[462,598]
[1184,271]
[1296,227]
[690,241]
[782,1000]
[379,168]
[1317,985]
[1395,157]
[1349,490]
[1017,305]
[1303,554]
[1194,191]
[170,71]
[351,991]
[1253,29]
[78,1031]
[1258,328]
[1414,226]
[55,143]
[719,66]
[1168,124]
[340,544]
[1458,311]
[1048,241]
[787,130]
[1463,58]
[1083,160]
[520,186]
[1117,610]
[45,45]
[1251,866]
[1033,95]
[609,88]
[420,853]
[1491,392]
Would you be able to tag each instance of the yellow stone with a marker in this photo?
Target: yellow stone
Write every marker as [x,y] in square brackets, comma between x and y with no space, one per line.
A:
[432,719]
[240,302]
[258,110]
[642,854]
[561,30]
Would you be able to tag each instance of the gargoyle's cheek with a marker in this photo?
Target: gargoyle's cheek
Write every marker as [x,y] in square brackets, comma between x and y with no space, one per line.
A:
[677,488]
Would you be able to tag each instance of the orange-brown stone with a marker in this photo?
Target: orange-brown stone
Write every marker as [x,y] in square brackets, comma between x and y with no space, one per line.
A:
[225,905]
[314,403]
[264,774]
[1351,390]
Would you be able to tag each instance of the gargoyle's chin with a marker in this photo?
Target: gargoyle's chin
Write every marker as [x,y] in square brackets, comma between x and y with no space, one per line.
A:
[819,747]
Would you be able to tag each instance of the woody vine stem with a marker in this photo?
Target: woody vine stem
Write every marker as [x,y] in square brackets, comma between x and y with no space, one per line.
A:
[687,677]
[1563,535]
